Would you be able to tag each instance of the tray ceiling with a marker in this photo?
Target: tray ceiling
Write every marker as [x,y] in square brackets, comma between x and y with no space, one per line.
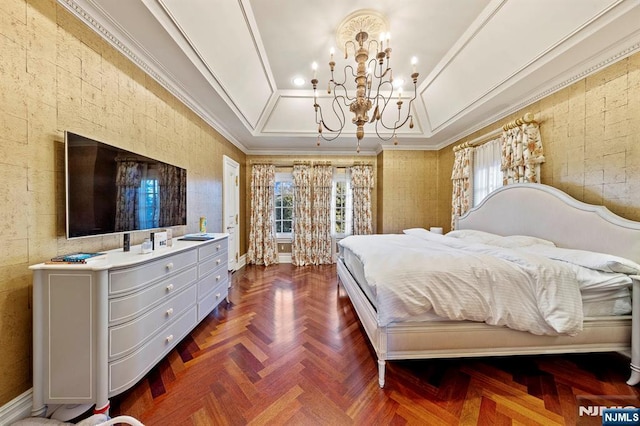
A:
[233,62]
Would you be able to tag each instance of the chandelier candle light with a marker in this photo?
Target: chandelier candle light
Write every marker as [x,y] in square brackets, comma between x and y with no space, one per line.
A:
[374,89]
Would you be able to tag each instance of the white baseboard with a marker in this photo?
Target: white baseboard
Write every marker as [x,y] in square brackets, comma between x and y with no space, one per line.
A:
[284,257]
[17,409]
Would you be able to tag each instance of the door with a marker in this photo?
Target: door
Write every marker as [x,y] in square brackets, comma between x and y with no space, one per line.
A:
[231,208]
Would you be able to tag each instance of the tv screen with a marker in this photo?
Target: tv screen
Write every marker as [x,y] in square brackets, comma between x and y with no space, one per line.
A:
[112,190]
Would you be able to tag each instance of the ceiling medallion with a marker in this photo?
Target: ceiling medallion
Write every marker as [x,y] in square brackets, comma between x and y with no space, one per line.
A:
[369,21]
[364,33]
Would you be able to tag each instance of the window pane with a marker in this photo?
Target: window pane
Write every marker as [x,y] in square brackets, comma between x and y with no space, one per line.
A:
[287,214]
[286,226]
[278,214]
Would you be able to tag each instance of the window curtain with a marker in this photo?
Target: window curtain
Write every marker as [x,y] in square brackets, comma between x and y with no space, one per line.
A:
[321,217]
[128,177]
[301,247]
[487,175]
[173,185]
[461,178]
[263,248]
[522,154]
[361,185]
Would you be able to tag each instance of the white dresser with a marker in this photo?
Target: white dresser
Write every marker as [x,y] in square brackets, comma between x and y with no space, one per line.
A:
[99,327]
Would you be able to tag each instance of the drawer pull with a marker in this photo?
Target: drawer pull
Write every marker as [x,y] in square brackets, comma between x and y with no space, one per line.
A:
[169,312]
[218,261]
[217,277]
[170,266]
[169,338]
[169,287]
[218,247]
[217,295]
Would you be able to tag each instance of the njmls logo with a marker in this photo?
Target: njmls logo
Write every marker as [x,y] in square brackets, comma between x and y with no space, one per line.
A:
[613,410]
[598,410]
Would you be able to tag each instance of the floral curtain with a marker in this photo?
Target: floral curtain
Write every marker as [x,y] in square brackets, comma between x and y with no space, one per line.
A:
[522,154]
[321,222]
[173,197]
[301,247]
[263,248]
[361,185]
[128,177]
[461,179]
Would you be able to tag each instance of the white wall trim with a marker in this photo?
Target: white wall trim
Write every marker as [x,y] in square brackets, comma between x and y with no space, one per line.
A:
[17,409]
[284,257]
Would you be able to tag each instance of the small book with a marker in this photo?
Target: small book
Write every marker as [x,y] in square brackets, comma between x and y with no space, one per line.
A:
[76,257]
[197,237]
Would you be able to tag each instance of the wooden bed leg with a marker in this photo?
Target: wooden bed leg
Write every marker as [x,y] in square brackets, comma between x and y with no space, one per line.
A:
[381,363]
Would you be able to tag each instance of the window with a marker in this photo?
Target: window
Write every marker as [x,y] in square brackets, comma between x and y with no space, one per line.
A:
[284,204]
[341,217]
[487,173]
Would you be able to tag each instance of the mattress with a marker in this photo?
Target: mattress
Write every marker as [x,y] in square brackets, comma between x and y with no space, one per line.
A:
[594,303]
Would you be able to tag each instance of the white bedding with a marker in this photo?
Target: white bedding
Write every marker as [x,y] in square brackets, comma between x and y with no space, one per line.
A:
[462,281]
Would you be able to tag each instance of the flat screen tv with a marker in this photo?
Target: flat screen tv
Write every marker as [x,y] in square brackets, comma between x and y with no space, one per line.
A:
[112,190]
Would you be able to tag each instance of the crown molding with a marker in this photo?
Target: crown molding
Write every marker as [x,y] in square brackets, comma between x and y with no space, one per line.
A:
[97,20]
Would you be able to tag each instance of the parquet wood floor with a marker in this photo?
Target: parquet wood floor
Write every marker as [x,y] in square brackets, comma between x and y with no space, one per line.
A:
[289,349]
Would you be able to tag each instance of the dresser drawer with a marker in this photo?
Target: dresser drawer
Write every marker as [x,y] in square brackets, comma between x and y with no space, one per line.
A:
[211,300]
[127,307]
[132,278]
[208,283]
[126,371]
[124,338]
[212,249]
[205,267]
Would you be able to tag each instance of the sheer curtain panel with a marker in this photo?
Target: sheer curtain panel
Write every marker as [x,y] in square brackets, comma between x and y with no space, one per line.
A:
[263,248]
[487,174]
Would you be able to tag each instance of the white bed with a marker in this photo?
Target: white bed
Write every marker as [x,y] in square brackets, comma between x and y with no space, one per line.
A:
[520,209]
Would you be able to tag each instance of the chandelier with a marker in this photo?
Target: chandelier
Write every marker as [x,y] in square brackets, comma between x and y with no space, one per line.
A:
[373,80]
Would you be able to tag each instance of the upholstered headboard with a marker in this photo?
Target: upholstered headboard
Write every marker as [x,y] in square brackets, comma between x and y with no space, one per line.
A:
[546,212]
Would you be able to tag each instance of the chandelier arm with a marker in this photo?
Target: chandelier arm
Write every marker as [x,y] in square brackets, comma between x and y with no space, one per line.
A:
[340,116]
[396,126]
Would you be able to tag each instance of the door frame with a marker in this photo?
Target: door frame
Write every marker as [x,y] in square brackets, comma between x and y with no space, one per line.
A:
[230,167]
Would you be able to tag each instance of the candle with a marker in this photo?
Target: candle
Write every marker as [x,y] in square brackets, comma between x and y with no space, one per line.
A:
[331,52]
[388,40]
[381,41]
[399,93]
[314,66]
[414,61]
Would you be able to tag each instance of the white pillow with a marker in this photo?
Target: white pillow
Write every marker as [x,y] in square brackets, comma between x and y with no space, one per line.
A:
[591,259]
[422,233]
[515,241]
[511,241]
[474,236]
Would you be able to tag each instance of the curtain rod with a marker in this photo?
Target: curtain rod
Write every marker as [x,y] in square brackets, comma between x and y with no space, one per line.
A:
[525,119]
[343,163]
[487,137]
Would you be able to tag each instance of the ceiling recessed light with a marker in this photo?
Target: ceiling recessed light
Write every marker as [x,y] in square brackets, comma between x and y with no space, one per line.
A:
[298,81]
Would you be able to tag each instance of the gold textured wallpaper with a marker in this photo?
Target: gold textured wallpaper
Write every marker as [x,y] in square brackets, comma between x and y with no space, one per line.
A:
[58,75]
[407,190]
